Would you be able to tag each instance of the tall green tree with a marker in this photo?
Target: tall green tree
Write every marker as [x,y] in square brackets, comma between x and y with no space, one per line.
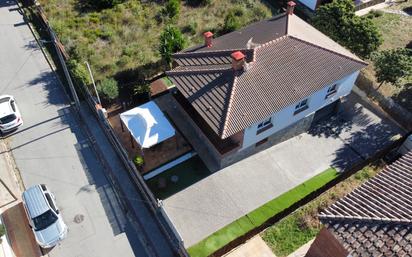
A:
[392,65]
[339,22]
[171,41]
[172,8]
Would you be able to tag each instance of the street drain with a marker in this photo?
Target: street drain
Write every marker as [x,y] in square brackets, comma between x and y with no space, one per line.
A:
[78,218]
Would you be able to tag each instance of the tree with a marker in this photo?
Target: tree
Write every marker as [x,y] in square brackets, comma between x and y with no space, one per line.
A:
[109,89]
[392,65]
[171,41]
[339,22]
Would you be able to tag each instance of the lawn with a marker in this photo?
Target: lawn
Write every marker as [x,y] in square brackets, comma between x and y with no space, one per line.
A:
[188,173]
[396,32]
[125,38]
[303,225]
[260,215]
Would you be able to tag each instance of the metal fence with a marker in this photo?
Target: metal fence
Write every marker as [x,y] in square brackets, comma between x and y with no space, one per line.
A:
[154,205]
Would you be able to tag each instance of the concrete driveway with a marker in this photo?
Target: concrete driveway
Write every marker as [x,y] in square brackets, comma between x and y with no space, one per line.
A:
[51,148]
[228,194]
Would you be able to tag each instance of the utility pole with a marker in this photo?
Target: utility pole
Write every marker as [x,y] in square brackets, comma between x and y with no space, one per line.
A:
[66,71]
[94,84]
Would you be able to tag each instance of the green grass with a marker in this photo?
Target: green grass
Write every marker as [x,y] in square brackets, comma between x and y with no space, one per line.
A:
[167,82]
[125,37]
[260,215]
[298,228]
[188,172]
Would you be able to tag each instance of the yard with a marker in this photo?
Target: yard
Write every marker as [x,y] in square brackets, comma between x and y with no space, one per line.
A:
[396,32]
[178,178]
[303,225]
[123,41]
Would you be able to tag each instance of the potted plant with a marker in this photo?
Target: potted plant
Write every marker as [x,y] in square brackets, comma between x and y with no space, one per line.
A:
[138,161]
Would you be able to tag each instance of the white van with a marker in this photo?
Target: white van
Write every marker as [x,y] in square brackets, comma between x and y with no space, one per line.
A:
[406,146]
[44,216]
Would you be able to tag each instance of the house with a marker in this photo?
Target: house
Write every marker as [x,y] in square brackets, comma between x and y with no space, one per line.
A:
[373,220]
[255,87]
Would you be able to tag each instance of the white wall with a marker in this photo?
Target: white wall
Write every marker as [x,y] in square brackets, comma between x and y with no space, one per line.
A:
[309,3]
[285,117]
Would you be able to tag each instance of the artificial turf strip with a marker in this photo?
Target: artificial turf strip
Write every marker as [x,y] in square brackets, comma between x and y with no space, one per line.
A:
[260,215]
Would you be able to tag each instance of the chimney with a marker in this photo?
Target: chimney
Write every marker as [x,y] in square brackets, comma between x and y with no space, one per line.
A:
[208,38]
[291,7]
[238,60]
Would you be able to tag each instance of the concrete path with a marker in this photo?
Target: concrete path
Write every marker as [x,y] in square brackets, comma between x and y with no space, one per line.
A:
[52,148]
[255,247]
[228,194]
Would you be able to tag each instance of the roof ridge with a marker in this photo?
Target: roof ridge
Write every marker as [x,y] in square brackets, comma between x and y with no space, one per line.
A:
[363,218]
[229,105]
[190,54]
[198,71]
[270,42]
[329,50]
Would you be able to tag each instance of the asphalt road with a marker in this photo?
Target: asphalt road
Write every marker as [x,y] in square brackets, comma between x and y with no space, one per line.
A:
[52,148]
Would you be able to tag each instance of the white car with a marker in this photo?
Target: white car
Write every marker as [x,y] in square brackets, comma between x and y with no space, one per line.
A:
[10,117]
[45,218]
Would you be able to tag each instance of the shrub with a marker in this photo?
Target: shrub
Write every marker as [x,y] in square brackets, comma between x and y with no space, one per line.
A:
[190,28]
[140,89]
[172,8]
[108,89]
[374,14]
[2,231]
[171,41]
[138,161]
[79,72]
[198,2]
[104,3]
[231,22]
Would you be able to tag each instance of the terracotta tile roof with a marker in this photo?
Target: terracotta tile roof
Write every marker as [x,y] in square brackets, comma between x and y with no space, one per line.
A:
[282,67]
[376,218]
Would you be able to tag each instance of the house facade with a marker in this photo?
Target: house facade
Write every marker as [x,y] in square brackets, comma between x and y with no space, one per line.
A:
[250,89]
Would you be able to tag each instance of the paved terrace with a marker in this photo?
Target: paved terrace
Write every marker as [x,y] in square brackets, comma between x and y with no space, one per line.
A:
[357,133]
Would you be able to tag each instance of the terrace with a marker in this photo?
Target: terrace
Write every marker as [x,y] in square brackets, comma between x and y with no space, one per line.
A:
[154,156]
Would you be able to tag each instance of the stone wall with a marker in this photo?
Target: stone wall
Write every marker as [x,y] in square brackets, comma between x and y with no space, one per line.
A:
[291,131]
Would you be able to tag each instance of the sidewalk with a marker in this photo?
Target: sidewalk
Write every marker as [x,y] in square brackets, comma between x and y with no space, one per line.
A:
[150,233]
[20,240]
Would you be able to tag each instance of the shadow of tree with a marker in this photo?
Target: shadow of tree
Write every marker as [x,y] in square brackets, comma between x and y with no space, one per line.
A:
[51,84]
[404,97]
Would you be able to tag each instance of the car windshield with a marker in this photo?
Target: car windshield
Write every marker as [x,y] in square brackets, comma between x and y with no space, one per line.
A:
[7,119]
[44,220]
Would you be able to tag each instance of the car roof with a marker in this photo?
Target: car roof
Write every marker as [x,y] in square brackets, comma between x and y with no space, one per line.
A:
[5,108]
[35,201]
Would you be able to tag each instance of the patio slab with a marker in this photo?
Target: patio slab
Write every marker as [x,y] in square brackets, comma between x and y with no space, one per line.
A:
[226,195]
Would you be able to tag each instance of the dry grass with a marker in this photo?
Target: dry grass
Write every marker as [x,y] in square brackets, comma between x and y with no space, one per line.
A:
[396,31]
[126,36]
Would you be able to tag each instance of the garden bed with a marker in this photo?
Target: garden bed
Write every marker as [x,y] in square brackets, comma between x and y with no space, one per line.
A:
[298,228]
[261,215]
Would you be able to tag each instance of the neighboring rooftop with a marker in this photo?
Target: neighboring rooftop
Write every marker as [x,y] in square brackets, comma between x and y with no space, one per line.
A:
[286,60]
[376,218]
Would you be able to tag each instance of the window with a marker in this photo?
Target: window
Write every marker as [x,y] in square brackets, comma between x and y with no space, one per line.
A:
[300,107]
[13,105]
[331,90]
[265,125]
[50,201]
